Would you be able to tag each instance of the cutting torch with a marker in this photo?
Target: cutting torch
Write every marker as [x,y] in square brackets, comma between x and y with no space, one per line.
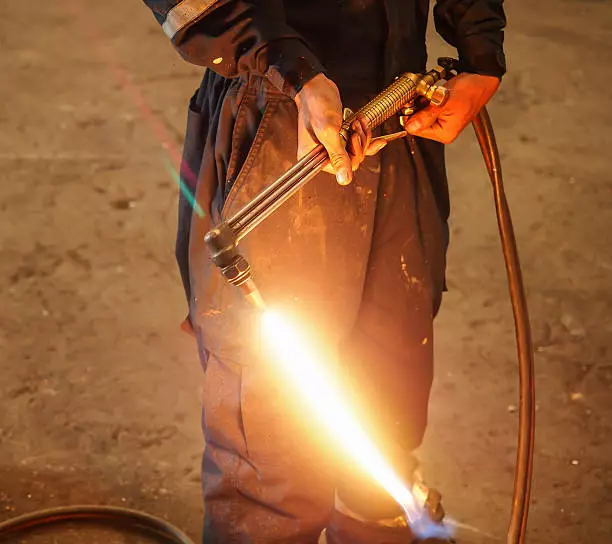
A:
[407,93]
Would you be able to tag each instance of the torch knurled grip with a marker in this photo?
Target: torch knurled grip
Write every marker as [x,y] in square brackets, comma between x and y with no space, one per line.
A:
[385,104]
[396,96]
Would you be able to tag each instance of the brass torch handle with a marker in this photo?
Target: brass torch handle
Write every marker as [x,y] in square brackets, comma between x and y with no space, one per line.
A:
[391,100]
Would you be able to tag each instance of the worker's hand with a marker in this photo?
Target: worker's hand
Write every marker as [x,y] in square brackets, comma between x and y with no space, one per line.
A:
[469,93]
[360,143]
[319,120]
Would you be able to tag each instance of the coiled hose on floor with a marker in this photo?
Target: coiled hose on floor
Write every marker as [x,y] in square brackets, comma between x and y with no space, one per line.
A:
[161,529]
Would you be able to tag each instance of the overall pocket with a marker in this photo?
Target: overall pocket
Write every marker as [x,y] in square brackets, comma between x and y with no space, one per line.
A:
[252,120]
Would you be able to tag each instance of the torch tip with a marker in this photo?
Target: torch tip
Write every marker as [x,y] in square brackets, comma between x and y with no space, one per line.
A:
[253,295]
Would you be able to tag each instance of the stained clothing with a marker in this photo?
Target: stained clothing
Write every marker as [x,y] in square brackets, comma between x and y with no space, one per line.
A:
[360,268]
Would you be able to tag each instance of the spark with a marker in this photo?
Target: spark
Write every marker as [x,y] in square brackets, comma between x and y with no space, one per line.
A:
[471,529]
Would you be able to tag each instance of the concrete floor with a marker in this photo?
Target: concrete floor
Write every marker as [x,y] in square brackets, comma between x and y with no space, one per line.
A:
[99,390]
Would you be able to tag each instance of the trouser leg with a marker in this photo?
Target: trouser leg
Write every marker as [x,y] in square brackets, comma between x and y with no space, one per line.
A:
[264,482]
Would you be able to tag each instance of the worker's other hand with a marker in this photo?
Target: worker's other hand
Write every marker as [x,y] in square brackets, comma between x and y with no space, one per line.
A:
[469,93]
[319,120]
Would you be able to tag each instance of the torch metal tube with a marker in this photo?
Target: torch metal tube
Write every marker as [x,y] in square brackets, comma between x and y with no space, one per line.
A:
[242,216]
[273,201]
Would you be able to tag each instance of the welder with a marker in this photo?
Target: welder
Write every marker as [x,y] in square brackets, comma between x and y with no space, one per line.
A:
[361,259]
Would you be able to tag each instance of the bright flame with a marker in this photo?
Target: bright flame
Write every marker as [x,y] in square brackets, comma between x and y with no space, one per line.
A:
[316,385]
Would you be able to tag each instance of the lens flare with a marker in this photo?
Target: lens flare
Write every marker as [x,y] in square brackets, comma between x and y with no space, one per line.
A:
[184,189]
[316,385]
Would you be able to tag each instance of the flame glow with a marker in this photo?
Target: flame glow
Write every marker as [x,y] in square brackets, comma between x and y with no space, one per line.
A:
[316,384]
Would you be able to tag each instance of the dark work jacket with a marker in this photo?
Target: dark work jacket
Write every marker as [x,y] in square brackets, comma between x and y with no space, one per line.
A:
[280,45]
[290,41]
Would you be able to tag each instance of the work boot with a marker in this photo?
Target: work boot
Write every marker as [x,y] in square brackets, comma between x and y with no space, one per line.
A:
[346,530]
[350,527]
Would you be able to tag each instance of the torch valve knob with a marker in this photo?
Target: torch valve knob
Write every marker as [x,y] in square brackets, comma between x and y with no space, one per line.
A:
[438,95]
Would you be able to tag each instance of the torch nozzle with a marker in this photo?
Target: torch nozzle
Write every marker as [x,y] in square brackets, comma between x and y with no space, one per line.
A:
[252,294]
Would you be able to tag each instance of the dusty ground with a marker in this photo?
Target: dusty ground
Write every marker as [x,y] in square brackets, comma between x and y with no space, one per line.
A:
[100,391]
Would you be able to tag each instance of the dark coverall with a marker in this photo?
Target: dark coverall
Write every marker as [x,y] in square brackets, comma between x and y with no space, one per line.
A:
[362,266]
